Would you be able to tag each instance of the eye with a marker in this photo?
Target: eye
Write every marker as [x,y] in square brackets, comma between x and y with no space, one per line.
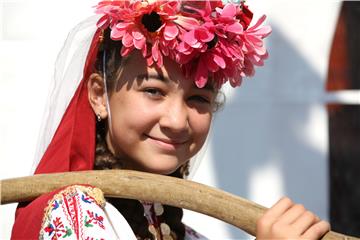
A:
[153,92]
[200,99]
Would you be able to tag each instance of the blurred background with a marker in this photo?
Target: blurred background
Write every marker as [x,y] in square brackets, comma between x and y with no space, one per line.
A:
[293,129]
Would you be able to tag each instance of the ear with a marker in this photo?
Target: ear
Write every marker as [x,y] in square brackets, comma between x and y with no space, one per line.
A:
[97,95]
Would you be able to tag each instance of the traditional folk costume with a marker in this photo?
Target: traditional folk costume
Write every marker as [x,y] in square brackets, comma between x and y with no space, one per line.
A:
[208,39]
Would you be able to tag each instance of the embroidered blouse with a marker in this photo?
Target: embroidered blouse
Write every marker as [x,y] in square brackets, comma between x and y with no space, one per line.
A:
[81,212]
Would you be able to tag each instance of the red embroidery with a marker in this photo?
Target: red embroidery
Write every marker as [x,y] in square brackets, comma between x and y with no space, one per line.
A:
[72,217]
[71,206]
[57,230]
[95,219]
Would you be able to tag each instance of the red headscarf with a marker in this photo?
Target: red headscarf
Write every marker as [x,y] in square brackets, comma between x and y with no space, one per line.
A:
[72,148]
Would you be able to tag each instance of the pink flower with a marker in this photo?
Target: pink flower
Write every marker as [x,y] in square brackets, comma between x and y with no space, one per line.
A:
[212,45]
[208,39]
[112,10]
[254,46]
[138,23]
[226,19]
[201,4]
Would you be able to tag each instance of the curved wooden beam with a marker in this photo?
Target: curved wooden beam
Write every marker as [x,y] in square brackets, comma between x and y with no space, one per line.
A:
[147,187]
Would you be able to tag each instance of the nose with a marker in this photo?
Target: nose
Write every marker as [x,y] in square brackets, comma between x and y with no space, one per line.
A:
[175,117]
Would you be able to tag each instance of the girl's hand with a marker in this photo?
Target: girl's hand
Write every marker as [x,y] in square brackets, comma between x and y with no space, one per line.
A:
[287,220]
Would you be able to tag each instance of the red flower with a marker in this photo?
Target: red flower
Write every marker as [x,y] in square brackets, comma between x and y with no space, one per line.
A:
[245,16]
[253,42]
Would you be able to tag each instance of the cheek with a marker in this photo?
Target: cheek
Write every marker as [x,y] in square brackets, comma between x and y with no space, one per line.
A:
[200,124]
[131,117]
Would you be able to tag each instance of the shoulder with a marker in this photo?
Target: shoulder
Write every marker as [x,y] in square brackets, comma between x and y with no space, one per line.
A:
[73,212]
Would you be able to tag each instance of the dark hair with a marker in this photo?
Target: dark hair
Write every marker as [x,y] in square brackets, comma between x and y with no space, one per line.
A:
[132,210]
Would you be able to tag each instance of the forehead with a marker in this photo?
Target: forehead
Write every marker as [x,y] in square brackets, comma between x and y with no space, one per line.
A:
[135,68]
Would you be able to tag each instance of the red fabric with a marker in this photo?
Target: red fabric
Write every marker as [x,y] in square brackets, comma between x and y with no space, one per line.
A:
[28,219]
[71,149]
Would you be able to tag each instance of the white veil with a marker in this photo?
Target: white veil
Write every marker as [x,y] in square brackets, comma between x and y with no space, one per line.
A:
[69,68]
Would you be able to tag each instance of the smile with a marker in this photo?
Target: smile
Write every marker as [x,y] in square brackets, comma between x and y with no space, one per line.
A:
[167,144]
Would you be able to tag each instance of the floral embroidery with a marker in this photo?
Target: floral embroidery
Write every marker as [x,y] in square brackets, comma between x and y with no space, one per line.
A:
[95,219]
[57,229]
[55,205]
[74,213]
[86,199]
[68,232]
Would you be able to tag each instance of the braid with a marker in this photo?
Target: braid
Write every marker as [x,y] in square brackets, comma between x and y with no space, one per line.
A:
[104,159]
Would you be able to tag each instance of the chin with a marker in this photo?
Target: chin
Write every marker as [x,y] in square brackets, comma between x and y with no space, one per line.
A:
[165,169]
[162,171]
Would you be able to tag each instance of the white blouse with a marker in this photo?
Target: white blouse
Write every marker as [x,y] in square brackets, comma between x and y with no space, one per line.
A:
[81,212]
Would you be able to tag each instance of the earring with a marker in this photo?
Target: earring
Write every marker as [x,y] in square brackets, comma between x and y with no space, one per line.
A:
[98,117]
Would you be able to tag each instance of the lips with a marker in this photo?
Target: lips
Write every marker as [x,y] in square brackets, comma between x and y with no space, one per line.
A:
[166,143]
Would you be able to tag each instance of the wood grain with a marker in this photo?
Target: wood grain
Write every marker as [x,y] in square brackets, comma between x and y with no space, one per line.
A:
[147,187]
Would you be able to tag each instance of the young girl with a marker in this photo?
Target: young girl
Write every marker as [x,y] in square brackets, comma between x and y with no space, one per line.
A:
[136,88]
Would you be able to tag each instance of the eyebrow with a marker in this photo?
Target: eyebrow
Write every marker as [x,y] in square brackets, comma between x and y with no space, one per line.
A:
[208,86]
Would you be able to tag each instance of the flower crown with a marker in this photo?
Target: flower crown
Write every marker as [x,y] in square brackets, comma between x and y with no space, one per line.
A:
[209,39]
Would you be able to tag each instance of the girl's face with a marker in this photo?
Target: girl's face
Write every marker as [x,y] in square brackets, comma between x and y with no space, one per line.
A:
[159,119]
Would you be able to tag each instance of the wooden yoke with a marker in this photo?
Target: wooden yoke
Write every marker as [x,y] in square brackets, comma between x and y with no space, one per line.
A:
[147,187]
